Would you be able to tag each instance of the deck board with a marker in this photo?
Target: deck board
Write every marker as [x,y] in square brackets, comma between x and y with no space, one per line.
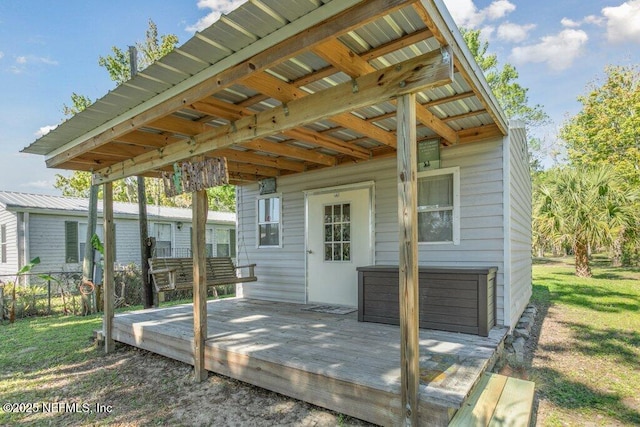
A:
[326,359]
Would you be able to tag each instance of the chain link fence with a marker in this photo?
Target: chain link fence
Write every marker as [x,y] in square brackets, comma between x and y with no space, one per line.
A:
[61,292]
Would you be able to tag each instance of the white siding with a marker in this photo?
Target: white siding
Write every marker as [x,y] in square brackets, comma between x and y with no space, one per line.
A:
[47,240]
[182,238]
[127,241]
[10,221]
[281,271]
[519,224]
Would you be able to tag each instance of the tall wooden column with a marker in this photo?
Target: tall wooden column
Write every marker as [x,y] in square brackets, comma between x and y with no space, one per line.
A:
[408,238]
[108,279]
[199,206]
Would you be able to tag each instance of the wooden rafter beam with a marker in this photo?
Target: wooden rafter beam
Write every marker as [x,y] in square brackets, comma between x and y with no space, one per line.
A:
[447,99]
[479,133]
[259,159]
[286,150]
[426,71]
[287,92]
[341,57]
[339,24]
[179,125]
[472,80]
[249,169]
[393,45]
[404,41]
[222,109]
[122,149]
[232,112]
[147,139]
[327,141]
[428,104]
[465,115]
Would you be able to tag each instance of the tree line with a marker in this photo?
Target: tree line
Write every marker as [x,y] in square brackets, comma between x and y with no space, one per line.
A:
[589,200]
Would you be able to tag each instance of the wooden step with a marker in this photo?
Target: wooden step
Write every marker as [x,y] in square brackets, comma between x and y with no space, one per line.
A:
[497,400]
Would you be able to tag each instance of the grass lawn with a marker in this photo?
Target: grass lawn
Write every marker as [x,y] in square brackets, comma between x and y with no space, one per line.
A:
[53,361]
[587,362]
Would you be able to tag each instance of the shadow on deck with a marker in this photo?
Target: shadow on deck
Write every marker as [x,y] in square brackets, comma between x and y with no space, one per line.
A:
[329,360]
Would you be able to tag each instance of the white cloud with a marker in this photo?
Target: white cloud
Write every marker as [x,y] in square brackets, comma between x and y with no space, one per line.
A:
[23,61]
[566,22]
[591,19]
[498,9]
[467,15]
[486,33]
[44,130]
[623,22]
[217,7]
[557,51]
[513,32]
[1,54]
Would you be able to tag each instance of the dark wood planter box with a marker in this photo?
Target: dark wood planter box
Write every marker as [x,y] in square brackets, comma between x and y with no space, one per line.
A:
[451,299]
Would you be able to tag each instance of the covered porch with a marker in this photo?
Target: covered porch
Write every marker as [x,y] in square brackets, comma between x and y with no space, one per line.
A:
[330,360]
[281,89]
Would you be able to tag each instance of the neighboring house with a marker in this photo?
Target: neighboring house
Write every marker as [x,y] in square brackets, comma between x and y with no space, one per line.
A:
[54,229]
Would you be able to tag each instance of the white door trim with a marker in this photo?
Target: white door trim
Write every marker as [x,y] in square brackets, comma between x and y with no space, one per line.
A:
[368,185]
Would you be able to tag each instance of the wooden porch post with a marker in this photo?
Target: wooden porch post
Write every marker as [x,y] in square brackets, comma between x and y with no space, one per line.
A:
[199,206]
[408,262]
[108,279]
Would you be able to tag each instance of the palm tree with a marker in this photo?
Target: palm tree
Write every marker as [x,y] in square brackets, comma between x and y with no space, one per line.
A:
[585,207]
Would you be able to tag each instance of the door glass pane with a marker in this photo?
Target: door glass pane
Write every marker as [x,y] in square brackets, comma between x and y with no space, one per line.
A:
[337,253]
[328,253]
[337,232]
[346,213]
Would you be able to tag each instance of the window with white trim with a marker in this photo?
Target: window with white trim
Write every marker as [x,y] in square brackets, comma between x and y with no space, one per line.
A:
[226,242]
[163,234]
[269,221]
[439,206]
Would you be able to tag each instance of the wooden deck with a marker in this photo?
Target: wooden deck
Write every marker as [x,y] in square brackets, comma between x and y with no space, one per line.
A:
[329,360]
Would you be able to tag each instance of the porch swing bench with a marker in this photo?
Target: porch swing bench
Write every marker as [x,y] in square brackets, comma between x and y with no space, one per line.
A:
[171,274]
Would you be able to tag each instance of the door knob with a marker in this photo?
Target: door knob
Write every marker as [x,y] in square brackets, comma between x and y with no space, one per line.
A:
[309,251]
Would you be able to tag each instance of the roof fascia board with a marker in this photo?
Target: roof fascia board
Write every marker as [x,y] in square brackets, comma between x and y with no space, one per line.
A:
[449,30]
[313,18]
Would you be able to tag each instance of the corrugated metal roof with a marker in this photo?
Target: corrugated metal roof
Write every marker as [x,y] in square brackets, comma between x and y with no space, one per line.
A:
[259,25]
[208,47]
[24,201]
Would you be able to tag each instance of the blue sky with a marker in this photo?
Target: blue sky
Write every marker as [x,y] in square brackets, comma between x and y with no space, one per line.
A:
[49,49]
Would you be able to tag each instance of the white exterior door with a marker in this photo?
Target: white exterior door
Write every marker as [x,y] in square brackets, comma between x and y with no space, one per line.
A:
[339,239]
